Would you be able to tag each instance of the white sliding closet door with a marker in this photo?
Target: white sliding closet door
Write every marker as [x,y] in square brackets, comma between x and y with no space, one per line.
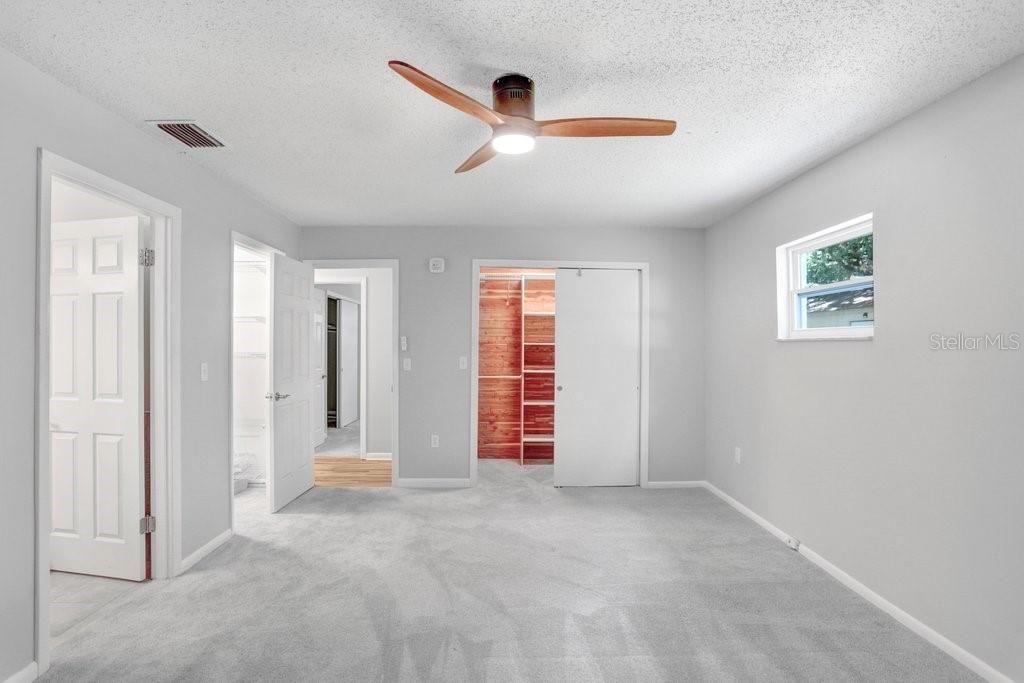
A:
[597,377]
[96,399]
[291,442]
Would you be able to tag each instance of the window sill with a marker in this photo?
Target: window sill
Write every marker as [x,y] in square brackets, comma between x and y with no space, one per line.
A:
[817,339]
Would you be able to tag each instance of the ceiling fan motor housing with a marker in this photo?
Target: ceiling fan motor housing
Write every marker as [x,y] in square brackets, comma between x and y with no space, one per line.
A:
[513,95]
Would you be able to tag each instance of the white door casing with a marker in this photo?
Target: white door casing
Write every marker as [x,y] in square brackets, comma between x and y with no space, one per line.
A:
[96,398]
[318,414]
[290,465]
[348,365]
[597,377]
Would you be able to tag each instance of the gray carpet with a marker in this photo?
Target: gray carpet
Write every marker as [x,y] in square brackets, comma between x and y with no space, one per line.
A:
[511,580]
[343,442]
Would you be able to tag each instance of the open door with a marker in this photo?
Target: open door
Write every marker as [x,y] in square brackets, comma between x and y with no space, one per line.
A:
[319,397]
[597,377]
[96,399]
[290,463]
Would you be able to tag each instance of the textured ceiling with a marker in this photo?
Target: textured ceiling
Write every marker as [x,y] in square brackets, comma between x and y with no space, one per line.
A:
[317,125]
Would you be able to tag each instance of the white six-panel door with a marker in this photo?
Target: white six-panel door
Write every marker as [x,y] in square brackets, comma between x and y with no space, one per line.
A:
[290,471]
[348,345]
[96,399]
[318,415]
[597,377]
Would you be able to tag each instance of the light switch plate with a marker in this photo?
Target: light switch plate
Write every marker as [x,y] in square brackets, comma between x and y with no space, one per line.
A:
[463,363]
[407,364]
[437,265]
[404,342]
[204,372]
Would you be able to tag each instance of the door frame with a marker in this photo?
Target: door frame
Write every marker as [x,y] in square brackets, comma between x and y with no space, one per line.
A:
[393,265]
[645,346]
[165,378]
[363,355]
[253,245]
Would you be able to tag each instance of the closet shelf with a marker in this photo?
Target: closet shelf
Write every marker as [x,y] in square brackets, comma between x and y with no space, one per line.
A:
[549,314]
[250,318]
[538,438]
[530,343]
[499,376]
[538,403]
[250,354]
[541,370]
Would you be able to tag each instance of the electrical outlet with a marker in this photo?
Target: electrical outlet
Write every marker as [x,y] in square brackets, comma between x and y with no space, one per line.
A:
[463,363]
[435,441]
[737,455]
[204,372]
[407,364]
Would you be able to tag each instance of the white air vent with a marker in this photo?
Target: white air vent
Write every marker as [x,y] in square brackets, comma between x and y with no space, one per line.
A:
[187,133]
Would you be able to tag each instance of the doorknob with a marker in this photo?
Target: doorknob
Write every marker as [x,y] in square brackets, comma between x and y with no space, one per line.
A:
[276,396]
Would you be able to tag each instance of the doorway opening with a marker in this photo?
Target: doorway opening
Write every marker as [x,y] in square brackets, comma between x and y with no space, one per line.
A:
[344,368]
[560,371]
[99,402]
[107,340]
[516,396]
[359,412]
[250,373]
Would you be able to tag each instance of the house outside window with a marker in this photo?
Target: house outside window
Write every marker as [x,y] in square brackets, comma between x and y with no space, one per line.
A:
[826,283]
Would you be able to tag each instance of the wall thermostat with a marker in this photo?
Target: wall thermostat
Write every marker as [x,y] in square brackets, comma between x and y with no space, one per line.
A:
[437,265]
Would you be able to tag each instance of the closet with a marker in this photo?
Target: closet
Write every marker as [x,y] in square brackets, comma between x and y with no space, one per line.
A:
[251,370]
[516,406]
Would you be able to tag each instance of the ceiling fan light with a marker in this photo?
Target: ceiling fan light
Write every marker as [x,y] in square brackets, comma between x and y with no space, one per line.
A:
[513,143]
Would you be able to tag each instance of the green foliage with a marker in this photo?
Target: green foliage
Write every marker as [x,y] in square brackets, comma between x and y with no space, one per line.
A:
[853,258]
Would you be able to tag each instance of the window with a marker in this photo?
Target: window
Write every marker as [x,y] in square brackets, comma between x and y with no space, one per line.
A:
[826,283]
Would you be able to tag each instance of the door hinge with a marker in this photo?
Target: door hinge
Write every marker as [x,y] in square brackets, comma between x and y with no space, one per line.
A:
[147,258]
[147,524]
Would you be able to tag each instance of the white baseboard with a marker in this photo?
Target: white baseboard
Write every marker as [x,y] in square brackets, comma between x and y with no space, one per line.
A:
[188,562]
[743,509]
[418,483]
[940,641]
[26,675]
[694,484]
[975,664]
[378,456]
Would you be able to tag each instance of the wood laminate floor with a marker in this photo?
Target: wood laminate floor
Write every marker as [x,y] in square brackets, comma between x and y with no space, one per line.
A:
[351,473]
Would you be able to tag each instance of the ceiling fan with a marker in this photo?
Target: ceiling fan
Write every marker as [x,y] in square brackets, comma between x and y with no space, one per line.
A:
[511,117]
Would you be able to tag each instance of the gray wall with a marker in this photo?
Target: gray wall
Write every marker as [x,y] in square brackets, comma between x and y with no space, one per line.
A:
[901,465]
[36,111]
[435,314]
[349,291]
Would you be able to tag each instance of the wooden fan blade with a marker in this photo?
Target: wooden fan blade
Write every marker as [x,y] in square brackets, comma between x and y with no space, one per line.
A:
[605,127]
[446,94]
[485,153]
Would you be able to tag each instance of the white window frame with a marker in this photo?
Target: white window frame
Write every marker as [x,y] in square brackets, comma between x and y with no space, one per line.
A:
[789,276]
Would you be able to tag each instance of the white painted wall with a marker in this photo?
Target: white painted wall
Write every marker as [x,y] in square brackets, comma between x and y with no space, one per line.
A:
[920,496]
[36,111]
[349,291]
[435,314]
[379,347]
